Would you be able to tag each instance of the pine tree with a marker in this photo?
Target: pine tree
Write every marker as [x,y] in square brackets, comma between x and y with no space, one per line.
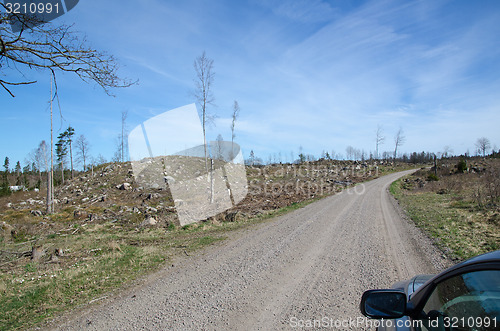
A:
[18,168]
[4,190]
[6,165]
[69,139]
[26,172]
[18,173]
[61,152]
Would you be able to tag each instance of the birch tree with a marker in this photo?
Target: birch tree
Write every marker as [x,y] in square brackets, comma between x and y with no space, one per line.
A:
[203,93]
[236,113]
[82,150]
[483,145]
[379,139]
[399,140]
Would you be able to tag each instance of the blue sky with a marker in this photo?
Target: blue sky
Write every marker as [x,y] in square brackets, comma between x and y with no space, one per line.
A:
[317,74]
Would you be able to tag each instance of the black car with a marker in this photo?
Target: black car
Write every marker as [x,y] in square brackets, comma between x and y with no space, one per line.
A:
[463,297]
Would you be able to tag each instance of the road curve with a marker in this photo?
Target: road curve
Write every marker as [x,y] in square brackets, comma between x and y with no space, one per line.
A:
[308,266]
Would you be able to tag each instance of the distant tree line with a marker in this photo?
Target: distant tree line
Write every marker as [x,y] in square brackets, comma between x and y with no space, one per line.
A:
[70,153]
[483,149]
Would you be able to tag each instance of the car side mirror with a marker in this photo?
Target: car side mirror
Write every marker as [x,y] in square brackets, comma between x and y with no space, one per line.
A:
[387,304]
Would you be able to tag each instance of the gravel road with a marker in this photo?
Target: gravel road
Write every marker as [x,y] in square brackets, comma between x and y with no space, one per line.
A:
[308,266]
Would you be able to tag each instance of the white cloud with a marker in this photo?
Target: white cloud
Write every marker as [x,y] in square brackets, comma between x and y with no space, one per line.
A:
[305,11]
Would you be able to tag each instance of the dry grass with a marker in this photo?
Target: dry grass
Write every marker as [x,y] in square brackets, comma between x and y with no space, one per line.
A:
[461,211]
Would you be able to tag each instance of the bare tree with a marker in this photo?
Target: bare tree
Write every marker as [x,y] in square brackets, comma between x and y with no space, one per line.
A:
[483,145]
[350,152]
[357,154]
[447,151]
[100,160]
[36,44]
[236,112]
[379,139]
[219,147]
[50,179]
[123,136]
[251,158]
[302,157]
[39,159]
[121,141]
[399,140]
[40,45]
[203,92]
[42,153]
[82,150]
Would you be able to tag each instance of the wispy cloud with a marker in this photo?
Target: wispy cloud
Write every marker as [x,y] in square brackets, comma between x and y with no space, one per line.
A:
[316,74]
[305,11]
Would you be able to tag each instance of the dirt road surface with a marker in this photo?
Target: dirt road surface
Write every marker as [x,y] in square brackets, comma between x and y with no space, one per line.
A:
[309,266]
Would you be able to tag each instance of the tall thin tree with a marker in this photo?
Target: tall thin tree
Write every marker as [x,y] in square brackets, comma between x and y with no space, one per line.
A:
[399,140]
[69,133]
[203,93]
[379,139]
[483,145]
[42,155]
[82,150]
[61,152]
[236,113]
[50,179]
[6,164]
[123,135]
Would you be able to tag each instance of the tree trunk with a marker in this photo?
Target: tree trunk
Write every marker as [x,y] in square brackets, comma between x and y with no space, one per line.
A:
[71,158]
[62,173]
[50,208]
[50,175]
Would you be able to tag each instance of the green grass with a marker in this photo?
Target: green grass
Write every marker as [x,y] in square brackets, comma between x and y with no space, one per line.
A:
[453,225]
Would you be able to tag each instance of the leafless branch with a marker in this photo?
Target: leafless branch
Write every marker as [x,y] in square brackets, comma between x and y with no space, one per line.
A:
[56,48]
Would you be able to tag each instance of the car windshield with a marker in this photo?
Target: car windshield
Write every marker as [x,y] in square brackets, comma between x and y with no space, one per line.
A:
[466,302]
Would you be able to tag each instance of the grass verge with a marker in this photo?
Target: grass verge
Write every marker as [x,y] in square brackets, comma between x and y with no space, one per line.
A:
[456,226]
[102,257]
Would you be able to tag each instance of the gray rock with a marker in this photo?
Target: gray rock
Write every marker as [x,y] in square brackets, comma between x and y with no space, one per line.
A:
[124,187]
[150,221]
[152,210]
